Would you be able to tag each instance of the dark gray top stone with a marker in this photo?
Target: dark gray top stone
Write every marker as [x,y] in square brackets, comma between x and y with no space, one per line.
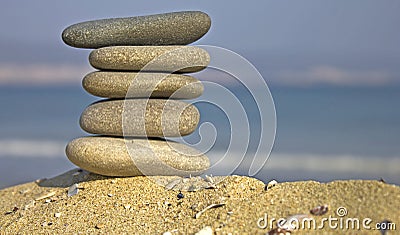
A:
[176,28]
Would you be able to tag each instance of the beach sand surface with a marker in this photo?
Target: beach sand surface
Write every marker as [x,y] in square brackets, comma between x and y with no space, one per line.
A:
[139,205]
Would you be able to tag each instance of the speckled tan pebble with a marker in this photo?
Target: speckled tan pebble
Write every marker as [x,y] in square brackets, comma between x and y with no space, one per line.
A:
[136,85]
[113,156]
[176,28]
[150,58]
[140,117]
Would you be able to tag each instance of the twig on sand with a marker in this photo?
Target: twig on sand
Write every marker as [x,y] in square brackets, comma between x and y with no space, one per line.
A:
[45,195]
[198,214]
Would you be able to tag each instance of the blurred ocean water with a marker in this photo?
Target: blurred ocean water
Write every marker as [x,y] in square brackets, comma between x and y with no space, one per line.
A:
[322,133]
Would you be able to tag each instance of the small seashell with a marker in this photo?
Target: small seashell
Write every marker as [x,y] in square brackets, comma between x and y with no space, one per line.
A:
[127,206]
[73,190]
[205,231]
[29,205]
[194,206]
[279,231]
[100,225]
[270,184]
[110,195]
[209,179]
[167,203]
[167,233]
[319,210]
[47,201]
[57,215]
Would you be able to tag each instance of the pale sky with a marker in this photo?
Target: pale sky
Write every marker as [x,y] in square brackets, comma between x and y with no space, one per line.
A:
[300,42]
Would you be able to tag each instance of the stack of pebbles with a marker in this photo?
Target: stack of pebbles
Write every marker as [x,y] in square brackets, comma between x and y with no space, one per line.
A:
[137,58]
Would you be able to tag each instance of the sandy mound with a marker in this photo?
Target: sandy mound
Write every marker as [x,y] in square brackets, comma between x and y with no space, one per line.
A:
[139,205]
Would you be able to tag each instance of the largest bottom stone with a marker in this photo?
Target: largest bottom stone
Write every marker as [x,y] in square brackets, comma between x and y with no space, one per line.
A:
[114,156]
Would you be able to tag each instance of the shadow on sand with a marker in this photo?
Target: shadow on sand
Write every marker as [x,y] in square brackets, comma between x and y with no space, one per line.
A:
[71,177]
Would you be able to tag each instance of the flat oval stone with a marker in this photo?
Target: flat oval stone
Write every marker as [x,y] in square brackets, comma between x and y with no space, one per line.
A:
[140,117]
[142,85]
[150,58]
[113,156]
[176,28]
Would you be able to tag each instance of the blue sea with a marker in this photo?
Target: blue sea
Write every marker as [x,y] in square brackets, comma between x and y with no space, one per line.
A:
[323,133]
